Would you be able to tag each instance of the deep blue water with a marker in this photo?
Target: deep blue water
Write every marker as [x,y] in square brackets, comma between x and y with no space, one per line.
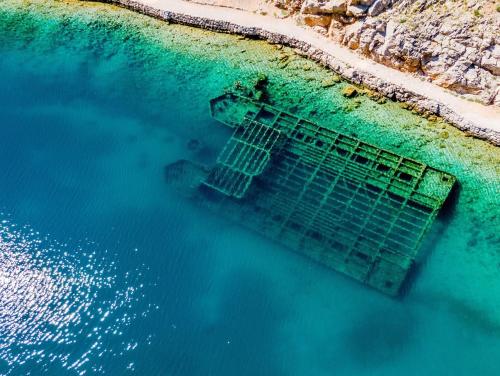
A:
[104,271]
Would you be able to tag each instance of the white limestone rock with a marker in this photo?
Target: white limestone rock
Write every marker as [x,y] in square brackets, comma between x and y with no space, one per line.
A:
[357,10]
[324,6]
[378,7]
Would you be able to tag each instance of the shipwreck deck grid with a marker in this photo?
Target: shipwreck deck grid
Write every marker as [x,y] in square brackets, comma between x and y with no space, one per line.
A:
[352,206]
[245,155]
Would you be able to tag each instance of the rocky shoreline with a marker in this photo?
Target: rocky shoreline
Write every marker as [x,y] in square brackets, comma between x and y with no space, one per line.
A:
[455,45]
[390,90]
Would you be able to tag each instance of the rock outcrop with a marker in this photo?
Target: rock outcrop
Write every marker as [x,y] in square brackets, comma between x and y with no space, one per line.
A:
[455,44]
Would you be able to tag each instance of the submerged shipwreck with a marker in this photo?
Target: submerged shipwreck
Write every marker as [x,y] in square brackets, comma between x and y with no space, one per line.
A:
[351,206]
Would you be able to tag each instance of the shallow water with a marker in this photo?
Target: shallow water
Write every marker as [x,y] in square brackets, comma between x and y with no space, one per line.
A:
[104,271]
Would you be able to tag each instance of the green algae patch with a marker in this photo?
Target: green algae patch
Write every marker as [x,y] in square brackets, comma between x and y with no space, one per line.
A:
[201,64]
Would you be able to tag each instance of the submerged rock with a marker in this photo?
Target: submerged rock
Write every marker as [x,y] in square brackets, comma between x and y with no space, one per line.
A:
[349,91]
[329,82]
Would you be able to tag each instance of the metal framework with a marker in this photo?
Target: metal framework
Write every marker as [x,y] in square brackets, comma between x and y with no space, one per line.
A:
[245,155]
[353,207]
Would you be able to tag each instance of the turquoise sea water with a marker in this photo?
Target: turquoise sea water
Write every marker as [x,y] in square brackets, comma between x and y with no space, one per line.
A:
[104,271]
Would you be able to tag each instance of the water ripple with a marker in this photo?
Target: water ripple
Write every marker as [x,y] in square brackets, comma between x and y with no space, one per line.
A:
[60,305]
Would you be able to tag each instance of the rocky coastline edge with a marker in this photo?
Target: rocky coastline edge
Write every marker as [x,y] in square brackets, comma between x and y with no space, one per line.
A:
[356,76]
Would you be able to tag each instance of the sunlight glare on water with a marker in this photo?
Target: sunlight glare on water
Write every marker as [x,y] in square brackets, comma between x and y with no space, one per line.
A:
[56,306]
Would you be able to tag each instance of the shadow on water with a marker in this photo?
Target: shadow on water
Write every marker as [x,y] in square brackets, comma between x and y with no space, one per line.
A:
[204,324]
[465,312]
[239,336]
[380,336]
[436,231]
[254,344]
[427,248]
[449,208]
